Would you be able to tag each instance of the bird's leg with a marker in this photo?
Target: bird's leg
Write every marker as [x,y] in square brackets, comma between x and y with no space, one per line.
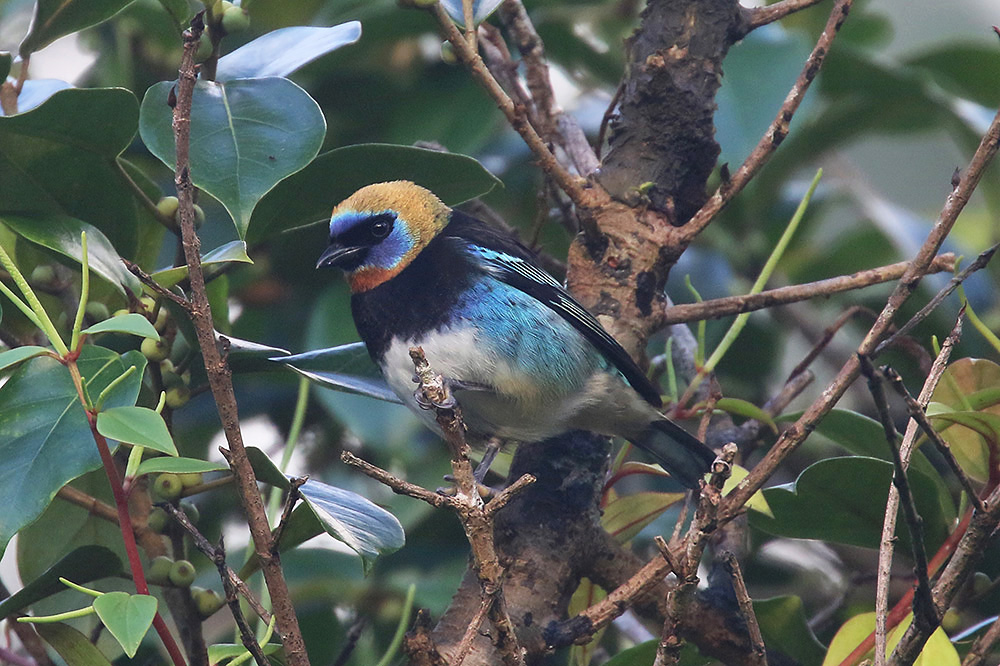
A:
[489,455]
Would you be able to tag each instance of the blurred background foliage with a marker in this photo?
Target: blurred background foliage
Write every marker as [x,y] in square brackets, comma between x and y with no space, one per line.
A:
[904,97]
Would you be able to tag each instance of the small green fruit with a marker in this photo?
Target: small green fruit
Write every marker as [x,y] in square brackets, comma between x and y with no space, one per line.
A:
[182,573]
[167,206]
[981,583]
[204,48]
[168,486]
[97,311]
[199,216]
[191,479]
[235,20]
[191,511]
[158,520]
[178,396]
[158,572]
[162,317]
[448,53]
[147,302]
[951,620]
[43,274]
[154,350]
[207,601]
[119,313]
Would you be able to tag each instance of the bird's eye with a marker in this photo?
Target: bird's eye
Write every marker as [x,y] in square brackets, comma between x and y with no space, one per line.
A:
[380,228]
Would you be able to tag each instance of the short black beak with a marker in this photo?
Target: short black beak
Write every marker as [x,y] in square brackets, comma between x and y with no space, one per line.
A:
[337,255]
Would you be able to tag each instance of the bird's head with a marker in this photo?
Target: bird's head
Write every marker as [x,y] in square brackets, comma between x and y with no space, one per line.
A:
[377,231]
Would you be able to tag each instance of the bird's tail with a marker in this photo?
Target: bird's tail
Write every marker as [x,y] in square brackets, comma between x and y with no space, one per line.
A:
[682,454]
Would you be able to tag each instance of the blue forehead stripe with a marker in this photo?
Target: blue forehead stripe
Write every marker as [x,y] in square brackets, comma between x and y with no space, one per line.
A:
[347,219]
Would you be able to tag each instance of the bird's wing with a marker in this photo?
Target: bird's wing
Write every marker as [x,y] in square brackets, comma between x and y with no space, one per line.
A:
[510,262]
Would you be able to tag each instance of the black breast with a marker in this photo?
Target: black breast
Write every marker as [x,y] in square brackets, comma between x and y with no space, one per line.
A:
[421,298]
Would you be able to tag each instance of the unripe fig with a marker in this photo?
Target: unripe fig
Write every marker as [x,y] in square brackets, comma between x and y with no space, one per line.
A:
[162,317]
[235,20]
[118,313]
[154,350]
[168,486]
[182,573]
[97,311]
[207,601]
[158,520]
[178,396]
[191,479]
[43,274]
[167,206]
[159,570]
[448,53]
[148,302]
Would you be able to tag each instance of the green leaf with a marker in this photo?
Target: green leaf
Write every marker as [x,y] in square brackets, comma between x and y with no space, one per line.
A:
[284,51]
[366,528]
[481,9]
[265,470]
[139,426]
[843,500]
[71,645]
[62,234]
[756,501]
[59,159]
[783,624]
[626,515]
[57,18]
[12,357]
[234,251]
[133,323]
[965,378]
[586,595]
[177,466]
[45,439]
[127,616]
[246,136]
[81,566]
[346,368]
[221,651]
[938,651]
[311,194]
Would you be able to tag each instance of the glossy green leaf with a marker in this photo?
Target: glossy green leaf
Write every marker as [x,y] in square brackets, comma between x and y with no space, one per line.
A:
[938,651]
[626,515]
[59,158]
[747,409]
[311,194]
[133,323]
[843,500]
[265,470]
[757,502]
[949,65]
[284,51]
[56,18]
[783,624]
[366,528]
[481,9]
[127,616]
[177,466]
[179,11]
[971,441]
[12,357]
[246,136]
[36,92]
[139,426]
[234,251]
[346,368]
[45,440]
[82,565]
[62,234]
[71,645]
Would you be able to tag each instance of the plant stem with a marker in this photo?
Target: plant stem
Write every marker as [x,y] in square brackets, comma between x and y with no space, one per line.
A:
[84,294]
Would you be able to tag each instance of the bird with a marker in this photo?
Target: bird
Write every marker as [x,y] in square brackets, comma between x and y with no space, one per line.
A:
[524,360]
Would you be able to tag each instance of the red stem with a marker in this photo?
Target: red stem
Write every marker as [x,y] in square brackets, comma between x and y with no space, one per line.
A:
[128,536]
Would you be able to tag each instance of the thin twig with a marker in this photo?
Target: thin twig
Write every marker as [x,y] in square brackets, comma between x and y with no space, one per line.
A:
[981,647]
[219,377]
[210,551]
[350,642]
[730,305]
[759,16]
[286,511]
[923,603]
[397,485]
[746,608]
[778,129]
[247,636]
[517,116]
[465,645]
[796,434]
[827,337]
[148,280]
[980,262]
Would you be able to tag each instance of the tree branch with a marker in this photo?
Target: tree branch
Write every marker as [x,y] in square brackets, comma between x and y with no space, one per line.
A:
[759,16]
